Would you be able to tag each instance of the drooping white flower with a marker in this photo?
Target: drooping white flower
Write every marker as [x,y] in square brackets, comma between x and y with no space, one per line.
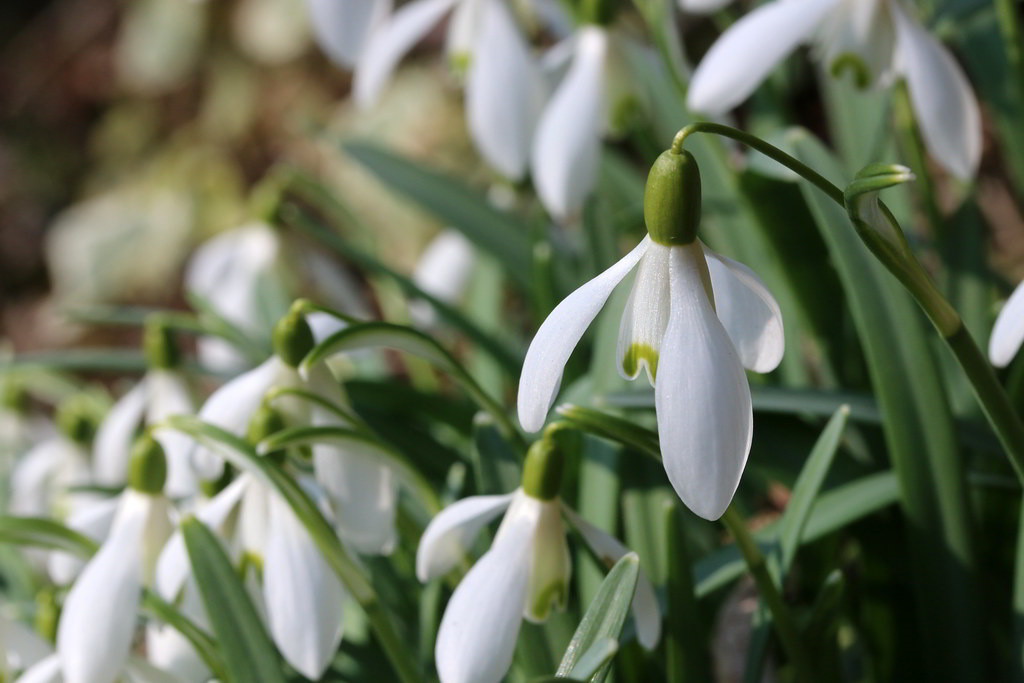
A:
[42,478]
[524,574]
[693,321]
[135,670]
[504,86]
[877,38]
[97,624]
[442,271]
[1008,332]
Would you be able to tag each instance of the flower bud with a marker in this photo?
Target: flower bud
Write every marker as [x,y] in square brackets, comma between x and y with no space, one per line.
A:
[159,346]
[292,336]
[265,423]
[77,419]
[542,471]
[148,466]
[672,199]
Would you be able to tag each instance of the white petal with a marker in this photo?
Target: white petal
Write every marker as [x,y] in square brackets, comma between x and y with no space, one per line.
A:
[389,43]
[232,406]
[303,595]
[863,31]
[1008,332]
[343,26]
[96,626]
[558,336]
[702,399]
[944,105]
[253,518]
[363,491]
[113,444]
[646,613]
[748,311]
[93,521]
[44,671]
[478,631]
[645,317]
[173,567]
[139,671]
[44,473]
[504,93]
[167,649]
[169,395]
[567,145]
[21,647]
[748,51]
[445,265]
[450,534]
[231,256]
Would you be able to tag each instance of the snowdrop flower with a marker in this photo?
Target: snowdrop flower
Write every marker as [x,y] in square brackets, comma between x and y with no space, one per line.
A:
[693,321]
[524,574]
[442,271]
[342,27]
[231,272]
[302,595]
[504,86]
[135,670]
[97,625]
[161,393]
[878,39]
[1008,332]
[93,520]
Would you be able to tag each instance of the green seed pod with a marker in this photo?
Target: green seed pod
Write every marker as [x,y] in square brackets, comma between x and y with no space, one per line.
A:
[159,346]
[542,471]
[77,419]
[149,465]
[672,199]
[292,337]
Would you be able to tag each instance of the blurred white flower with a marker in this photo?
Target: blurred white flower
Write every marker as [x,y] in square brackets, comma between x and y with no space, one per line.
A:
[693,321]
[302,595]
[1008,332]
[878,39]
[42,478]
[20,645]
[135,670]
[97,624]
[342,27]
[442,271]
[524,574]
[504,86]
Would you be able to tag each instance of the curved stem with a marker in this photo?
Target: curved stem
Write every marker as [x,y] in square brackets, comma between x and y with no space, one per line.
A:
[990,393]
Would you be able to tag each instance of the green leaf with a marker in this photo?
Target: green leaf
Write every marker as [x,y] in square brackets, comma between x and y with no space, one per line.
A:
[41,532]
[205,646]
[604,617]
[612,428]
[83,360]
[468,211]
[686,648]
[249,655]
[402,338]
[497,466]
[808,485]
[597,656]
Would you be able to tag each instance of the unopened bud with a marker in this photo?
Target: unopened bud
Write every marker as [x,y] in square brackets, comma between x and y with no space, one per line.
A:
[542,471]
[149,465]
[77,419]
[672,199]
[292,336]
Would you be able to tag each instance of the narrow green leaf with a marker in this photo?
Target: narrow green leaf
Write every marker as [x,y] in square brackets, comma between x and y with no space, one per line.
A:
[41,532]
[82,360]
[612,428]
[685,641]
[497,466]
[494,231]
[605,616]
[249,655]
[205,646]
[597,655]
[808,485]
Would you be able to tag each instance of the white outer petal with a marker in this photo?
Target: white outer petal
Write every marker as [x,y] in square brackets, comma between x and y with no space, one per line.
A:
[45,671]
[567,145]
[389,43]
[504,93]
[342,27]
[303,595]
[646,613]
[702,6]
[137,670]
[558,336]
[477,636]
[98,621]
[748,51]
[702,399]
[1008,332]
[172,568]
[748,311]
[232,406]
[450,534]
[22,648]
[113,444]
[943,103]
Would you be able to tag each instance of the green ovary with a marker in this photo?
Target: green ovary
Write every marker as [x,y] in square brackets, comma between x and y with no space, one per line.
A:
[635,354]
[553,595]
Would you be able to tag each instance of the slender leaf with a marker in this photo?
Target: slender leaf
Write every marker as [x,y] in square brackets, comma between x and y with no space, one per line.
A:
[597,656]
[612,428]
[605,616]
[41,532]
[249,654]
[685,642]
[464,209]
